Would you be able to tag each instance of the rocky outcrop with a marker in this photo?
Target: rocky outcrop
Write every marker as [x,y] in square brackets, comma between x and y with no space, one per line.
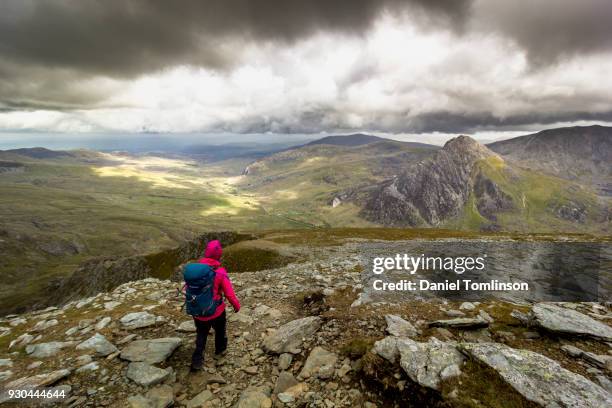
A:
[278,357]
[430,191]
[567,321]
[427,364]
[538,378]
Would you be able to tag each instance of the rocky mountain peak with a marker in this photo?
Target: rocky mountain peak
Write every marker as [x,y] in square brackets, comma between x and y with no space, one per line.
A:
[467,147]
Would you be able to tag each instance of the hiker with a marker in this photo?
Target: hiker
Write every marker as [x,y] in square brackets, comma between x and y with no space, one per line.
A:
[211,312]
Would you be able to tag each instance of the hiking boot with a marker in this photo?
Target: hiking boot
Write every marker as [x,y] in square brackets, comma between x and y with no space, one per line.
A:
[221,354]
[196,367]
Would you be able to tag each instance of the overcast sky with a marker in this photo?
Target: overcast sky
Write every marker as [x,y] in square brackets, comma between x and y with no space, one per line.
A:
[400,68]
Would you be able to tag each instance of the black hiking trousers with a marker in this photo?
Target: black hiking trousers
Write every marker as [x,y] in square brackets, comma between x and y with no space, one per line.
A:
[202,329]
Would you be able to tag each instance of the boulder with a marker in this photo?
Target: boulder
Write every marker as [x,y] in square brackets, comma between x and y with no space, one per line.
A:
[320,363]
[138,320]
[396,326]
[150,351]
[429,363]
[146,374]
[289,337]
[44,350]
[567,321]
[461,323]
[99,345]
[538,378]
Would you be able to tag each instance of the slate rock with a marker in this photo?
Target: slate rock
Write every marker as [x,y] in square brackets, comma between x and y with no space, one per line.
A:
[146,374]
[99,345]
[567,321]
[289,337]
[150,351]
[137,320]
[538,378]
[44,350]
[461,323]
[399,327]
[429,363]
[188,326]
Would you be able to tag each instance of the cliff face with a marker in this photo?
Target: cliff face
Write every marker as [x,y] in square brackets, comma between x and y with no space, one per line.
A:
[433,190]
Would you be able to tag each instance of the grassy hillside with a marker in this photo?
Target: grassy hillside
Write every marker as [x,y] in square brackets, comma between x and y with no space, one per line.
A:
[59,212]
[300,184]
[538,199]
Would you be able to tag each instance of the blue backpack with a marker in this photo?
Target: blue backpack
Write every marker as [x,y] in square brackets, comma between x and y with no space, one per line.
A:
[199,279]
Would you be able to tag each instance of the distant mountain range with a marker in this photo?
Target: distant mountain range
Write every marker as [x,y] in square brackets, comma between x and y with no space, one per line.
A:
[360,139]
[581,153]
[549,181]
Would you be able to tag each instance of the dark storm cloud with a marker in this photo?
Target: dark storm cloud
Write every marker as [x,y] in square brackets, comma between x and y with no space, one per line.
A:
[126,38]
[51,50]
[449,122]
[46,45]
[549,30]
[326,119]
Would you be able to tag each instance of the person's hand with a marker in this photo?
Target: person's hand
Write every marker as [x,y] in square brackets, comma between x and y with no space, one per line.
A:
[236,310]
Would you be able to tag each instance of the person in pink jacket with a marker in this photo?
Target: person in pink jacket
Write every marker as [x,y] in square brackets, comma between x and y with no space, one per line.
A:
[222,287]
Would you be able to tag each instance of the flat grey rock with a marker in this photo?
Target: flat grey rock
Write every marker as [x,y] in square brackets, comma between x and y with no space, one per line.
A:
[44,350]
[99,345]
[461,323]
[150,351]
[567,321]
[289,337]
[146,374]
[138,320]
[188,326]
[399,327]
[538,378]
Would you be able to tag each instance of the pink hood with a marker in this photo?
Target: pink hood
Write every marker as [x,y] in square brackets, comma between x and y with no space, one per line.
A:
[214,250]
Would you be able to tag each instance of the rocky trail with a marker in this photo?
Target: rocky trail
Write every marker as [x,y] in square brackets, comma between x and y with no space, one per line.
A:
[301,339]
